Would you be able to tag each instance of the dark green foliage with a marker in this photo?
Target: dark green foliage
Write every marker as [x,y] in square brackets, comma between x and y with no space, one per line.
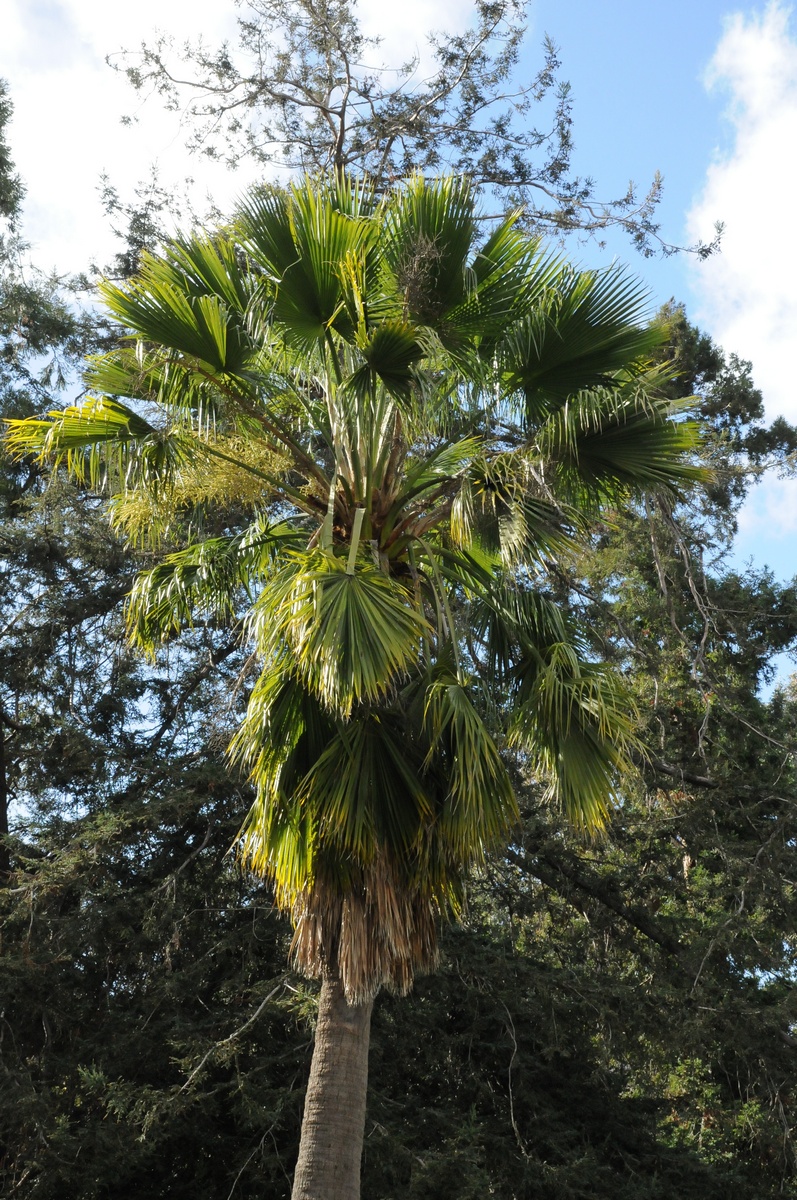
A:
[733,407]
[131,944]
[11,187]
[135,949]
[612,1021]
[507,1086]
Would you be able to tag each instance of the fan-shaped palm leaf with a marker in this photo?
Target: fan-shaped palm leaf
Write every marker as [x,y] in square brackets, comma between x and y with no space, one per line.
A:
[353,632]
[209,578]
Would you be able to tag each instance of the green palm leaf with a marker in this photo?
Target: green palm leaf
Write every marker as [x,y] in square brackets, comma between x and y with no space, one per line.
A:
[305,241]
[583,329]
[480,805]
[173,302]
[607,443]
[103,443]
[353,634]
[430,235]
[208,579]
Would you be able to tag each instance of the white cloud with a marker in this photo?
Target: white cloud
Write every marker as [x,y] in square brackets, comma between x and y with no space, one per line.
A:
[66,129]
[402,28]
[68,104]
[770,512]
[746,295]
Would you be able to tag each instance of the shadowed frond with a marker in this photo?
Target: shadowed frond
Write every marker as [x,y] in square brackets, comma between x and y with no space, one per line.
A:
[505,505]
[576,721]
[480,807]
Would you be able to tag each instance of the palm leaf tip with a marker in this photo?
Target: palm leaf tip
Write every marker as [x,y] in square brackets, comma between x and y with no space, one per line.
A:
[72,428]
[577,722]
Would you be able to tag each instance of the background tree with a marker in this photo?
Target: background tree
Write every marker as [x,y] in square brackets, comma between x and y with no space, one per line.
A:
[11,189]
[41,339]
[296,93]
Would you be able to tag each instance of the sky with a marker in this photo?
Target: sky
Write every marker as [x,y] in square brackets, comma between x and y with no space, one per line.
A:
[706,93]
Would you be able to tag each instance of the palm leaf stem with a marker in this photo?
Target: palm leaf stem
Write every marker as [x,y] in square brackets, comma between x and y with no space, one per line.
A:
[441,599]
[433,518]
[391,532]
[355,540]
[398,451]
[329,346]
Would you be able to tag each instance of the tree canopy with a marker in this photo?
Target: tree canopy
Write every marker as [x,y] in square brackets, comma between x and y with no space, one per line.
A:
[305,89]
[415,422]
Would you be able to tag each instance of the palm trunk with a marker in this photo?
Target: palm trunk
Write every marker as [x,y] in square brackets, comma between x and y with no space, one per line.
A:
[334,1109]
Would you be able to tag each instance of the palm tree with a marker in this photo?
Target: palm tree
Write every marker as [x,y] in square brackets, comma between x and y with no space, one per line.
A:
[416,423]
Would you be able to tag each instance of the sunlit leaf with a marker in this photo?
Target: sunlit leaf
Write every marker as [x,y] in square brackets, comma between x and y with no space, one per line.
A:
[353,637]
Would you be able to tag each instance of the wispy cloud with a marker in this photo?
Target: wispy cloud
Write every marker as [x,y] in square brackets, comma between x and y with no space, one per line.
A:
[771,511]
[746,295]
[67,108]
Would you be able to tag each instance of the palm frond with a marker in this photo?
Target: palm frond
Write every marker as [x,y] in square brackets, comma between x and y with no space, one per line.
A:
[580,332]
[390,351]
[303,241]
[352,635]
[575,720]
[173,302]
[209,579]
[103,443]
[505,505]
[430,234]
[609,443]
[511,273]
[480,805]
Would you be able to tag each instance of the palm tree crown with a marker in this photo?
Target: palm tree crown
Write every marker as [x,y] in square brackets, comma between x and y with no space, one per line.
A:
[416,422]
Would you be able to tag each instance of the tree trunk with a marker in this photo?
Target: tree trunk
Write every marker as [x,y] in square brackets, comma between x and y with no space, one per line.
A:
[334,1109]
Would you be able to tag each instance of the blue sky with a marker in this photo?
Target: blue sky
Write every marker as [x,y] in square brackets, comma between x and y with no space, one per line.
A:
[639,101]
[640,77]
[707,94]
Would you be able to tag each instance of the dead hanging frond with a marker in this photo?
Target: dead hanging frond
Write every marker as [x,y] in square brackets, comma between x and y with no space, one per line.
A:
[379,932]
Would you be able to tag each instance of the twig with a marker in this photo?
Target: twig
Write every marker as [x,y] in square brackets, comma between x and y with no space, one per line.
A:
[231,1037]
[511,1031]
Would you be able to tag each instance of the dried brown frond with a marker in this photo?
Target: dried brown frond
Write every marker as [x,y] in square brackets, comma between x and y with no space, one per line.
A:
[416,275]
[380,933]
